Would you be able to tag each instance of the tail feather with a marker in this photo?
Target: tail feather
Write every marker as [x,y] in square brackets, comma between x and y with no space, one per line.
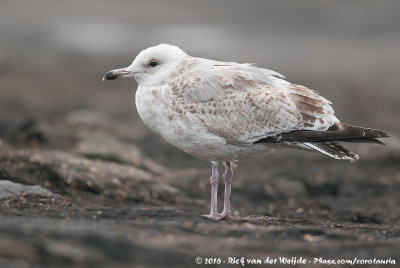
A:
[333,149]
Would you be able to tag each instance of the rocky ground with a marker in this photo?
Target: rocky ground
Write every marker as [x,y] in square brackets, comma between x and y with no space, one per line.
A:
[77,192]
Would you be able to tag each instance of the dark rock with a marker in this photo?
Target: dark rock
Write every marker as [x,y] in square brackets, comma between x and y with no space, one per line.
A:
[66,173]
[102,146]
[10,189]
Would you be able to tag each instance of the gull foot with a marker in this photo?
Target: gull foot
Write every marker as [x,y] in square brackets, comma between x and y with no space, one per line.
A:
[223,216]
[212,217]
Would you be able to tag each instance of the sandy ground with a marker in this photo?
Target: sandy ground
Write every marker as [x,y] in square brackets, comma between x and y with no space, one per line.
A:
[119,196]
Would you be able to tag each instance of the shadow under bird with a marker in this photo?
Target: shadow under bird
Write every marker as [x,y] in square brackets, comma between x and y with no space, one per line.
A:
[226,111]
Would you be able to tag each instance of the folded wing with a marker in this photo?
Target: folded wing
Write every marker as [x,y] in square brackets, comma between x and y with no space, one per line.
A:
[243,103]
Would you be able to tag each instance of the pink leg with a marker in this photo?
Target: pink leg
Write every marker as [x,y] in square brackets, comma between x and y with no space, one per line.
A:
[226,213]
[214,191]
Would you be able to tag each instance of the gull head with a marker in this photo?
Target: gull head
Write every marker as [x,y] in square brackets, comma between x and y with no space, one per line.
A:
[151,66]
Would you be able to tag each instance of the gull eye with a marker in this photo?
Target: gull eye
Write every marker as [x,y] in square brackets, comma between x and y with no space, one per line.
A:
[153,64]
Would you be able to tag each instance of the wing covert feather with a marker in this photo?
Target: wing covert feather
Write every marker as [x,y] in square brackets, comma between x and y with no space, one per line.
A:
[243,103]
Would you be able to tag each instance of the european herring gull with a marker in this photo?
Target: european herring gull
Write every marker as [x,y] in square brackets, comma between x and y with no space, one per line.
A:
[227,111]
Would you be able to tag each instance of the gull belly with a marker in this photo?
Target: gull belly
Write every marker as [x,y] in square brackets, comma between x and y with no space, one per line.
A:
[155,108]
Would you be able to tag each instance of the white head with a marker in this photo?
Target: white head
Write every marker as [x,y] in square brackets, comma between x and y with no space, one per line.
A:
[152,66]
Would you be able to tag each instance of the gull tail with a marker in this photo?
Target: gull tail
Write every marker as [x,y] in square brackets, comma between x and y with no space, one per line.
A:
[333,150]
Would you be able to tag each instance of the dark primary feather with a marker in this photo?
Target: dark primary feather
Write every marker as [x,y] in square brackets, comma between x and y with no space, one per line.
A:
[325,141]
[337,132]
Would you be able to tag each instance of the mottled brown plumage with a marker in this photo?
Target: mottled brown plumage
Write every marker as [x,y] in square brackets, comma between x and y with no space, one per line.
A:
[226,111]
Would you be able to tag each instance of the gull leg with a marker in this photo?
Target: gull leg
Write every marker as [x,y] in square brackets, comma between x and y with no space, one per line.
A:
[214,191]
[226,213]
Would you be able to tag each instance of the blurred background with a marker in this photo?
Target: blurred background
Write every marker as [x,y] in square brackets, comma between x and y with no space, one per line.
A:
[53,103]
[54,53]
